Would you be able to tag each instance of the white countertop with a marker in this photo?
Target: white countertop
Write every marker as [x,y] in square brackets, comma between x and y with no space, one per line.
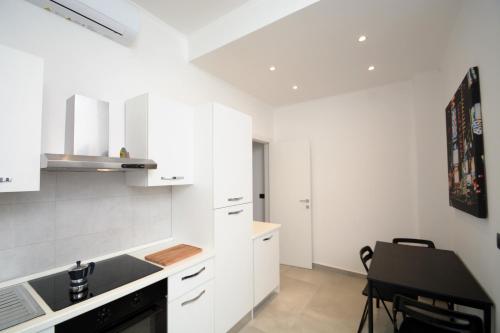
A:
[263,228]
[52,318]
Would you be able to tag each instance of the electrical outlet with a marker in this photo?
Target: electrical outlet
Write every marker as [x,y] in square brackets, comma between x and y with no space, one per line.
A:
[498,241]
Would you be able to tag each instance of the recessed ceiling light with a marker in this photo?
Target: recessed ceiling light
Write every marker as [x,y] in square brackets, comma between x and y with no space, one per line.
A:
[295,87]
[371,68]
[361,38]
[272,68]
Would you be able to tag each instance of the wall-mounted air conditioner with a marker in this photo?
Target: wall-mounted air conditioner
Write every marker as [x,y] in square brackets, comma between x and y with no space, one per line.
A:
[116,19]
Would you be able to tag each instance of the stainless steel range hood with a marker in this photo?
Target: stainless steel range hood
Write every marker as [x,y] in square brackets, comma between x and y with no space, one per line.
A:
[87,141]
[82,163]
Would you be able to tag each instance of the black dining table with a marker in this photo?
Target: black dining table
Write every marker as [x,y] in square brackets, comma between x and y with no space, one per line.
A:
[427,272]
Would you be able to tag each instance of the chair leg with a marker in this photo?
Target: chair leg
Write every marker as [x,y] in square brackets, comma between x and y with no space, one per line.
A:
[378,303]
[388,312]
[363,317]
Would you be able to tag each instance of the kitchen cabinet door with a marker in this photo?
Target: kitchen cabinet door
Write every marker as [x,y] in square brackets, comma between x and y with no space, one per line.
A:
[160,130]
[21,87]
[233,265]
[266,263]
[232,157]
[193,312]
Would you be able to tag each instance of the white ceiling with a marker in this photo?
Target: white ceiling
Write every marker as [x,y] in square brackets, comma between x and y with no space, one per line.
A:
[317,49]
[187,16]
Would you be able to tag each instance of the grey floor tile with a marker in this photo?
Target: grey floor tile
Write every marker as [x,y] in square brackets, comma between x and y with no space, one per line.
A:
[315,301]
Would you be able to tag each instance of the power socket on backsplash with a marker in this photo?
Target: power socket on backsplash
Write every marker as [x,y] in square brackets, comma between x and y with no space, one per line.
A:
[498,241]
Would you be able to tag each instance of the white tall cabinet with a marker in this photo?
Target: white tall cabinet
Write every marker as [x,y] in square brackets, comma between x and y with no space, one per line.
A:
[161,130]
[232,169]
[21,88]
[216,212]
[232,157]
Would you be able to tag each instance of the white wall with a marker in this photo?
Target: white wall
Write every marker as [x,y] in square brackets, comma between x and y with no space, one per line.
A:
[474,41]
[363,174]
[78,60]
[103,213]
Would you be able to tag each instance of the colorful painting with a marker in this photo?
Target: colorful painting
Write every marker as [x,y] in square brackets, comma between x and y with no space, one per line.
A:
[464,130]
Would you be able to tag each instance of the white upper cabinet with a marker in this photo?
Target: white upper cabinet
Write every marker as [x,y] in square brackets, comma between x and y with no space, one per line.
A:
[161,130]
[21,89]
[232,157]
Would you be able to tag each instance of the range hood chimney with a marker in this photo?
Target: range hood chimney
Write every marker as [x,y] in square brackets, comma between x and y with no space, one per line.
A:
[87,141]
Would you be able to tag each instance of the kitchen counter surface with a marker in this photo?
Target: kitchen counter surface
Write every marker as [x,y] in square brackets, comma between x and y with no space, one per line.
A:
[263,228]
[52,318]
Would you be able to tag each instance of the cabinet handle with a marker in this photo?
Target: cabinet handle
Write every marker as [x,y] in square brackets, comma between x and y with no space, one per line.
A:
[235,199]
[267,238]
[193,299]
[235,212]
[172,178]
[5,179]
[193,275]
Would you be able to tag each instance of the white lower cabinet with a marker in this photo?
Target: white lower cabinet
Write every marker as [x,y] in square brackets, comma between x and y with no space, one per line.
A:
[233,265]
[266,261]
[193,312]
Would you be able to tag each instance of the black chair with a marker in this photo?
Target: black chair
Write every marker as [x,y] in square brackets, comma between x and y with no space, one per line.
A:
[414,241]
[366,254]
[421,317]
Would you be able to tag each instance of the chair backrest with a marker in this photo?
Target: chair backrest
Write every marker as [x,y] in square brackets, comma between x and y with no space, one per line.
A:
[444,319]
[366,255]
[409,241]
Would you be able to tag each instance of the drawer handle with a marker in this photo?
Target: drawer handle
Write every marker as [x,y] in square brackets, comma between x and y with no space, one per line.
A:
[5,179]
[193,300]
[236,212]
[235,199]
[266,239]
[193,275]
[172,178]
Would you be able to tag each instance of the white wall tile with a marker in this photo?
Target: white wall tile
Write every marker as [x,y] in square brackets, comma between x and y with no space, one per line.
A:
[32,223]
[6,232]
[47,192]
[77,216]
[25,260]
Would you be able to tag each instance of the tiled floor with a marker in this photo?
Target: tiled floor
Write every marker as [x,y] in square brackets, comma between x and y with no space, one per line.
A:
[315,301]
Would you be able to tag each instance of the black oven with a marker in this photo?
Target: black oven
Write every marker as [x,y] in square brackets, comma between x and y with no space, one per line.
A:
[143,311]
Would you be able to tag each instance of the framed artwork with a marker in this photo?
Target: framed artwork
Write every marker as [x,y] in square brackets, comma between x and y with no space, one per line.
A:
[464,133]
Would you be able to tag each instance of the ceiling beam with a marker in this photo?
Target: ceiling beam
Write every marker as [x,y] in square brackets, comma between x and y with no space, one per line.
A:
[250,17]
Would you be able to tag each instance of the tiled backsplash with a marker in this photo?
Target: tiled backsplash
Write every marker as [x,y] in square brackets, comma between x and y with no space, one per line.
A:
[78,216]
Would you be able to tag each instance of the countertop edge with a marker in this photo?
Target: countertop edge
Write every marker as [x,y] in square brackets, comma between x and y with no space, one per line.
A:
[260,229]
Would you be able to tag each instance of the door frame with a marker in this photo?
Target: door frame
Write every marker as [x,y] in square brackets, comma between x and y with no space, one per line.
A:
[267,199]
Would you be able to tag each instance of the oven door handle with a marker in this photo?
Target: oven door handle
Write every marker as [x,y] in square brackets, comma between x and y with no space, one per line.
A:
[153,311]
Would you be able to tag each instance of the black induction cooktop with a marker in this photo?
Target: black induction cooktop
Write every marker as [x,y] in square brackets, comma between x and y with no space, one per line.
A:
[108,274]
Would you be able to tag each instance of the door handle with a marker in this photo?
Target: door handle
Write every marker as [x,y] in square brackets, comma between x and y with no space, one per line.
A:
[304,200]
[235,199]
[193,275]
[172,178]
[235,212]
[193,300]
[267,238]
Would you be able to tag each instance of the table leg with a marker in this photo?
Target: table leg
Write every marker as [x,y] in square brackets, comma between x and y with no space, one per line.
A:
[487,319]
[370,307]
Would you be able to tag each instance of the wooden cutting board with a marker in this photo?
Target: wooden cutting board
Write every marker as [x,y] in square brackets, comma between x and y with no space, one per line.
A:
[173,254]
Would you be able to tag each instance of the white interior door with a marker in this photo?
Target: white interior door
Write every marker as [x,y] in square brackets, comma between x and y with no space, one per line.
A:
[290,186]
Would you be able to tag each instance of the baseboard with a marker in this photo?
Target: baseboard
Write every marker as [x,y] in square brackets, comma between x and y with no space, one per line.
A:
[339,270]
